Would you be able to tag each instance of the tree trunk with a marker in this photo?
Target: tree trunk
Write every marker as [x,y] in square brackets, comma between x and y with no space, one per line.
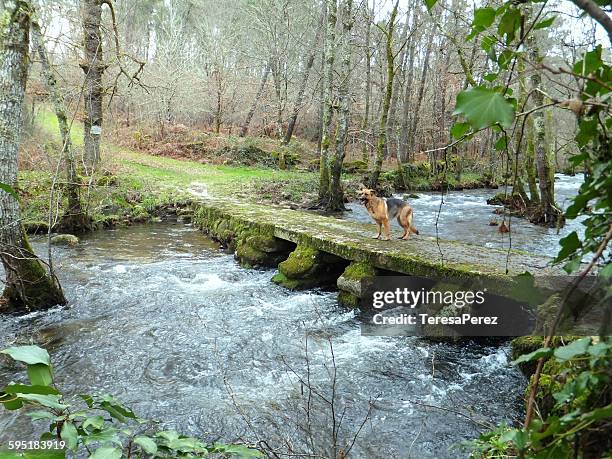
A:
[381,146]
[547,213]
[336,196]
[419,99]
[260,90]
[300,97]
[74,219]
[330,54]
[93,67]
[28,285]
[403,151]
[365,150]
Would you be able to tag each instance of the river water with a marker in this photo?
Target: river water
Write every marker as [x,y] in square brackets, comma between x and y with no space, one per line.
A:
[161,318]
[465,216]
[176,329]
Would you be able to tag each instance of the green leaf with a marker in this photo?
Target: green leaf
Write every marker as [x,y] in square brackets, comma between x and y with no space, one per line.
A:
[40,374]
[606,272]
[25,389]
[459,129]
[597,414]
[40,414]
[146,443]
[238,450]
[491,77]
[430,4]
[483,107]
[97,422]
[545,23]
[573,349]
[106,452]
[501,144]
[509,24]
[569,244]
[28,354]
[543,352]
[9,189]
[70,435]
[591,62]
[50,401]
[483,17]
[572,266]
[10,402]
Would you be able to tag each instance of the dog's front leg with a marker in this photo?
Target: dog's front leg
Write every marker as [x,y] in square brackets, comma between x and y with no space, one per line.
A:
[387,230]
[379,230]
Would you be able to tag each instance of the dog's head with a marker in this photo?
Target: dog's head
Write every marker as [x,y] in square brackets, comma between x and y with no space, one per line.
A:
[365,194]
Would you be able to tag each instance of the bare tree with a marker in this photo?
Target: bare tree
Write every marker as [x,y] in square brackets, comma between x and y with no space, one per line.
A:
[381,146]
[74,218]
[336,196]
[28,284]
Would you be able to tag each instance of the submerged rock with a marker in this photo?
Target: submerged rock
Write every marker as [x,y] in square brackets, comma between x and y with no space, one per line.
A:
[65,239]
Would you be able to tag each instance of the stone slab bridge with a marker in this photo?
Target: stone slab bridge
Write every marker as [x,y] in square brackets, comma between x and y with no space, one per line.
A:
[313,250]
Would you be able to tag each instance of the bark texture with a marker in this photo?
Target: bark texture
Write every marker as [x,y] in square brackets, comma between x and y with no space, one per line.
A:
[548,213]
[381,146]
[336,195]
[260,91]
[328,103]
[93,66]
[28,285]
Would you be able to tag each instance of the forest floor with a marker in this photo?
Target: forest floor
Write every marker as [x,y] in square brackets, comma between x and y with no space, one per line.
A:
[138,177]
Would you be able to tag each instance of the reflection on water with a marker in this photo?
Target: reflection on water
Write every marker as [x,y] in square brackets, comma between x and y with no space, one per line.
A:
[172,326]
[465,216]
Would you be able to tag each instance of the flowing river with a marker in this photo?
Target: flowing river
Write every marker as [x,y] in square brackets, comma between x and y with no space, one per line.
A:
[176,329]
[465,216]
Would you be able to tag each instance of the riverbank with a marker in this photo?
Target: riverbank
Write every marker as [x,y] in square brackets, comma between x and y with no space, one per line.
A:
[132,185]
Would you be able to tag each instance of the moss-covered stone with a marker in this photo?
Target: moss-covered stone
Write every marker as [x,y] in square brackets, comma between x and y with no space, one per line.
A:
[307,268]
[300,264]
[348,300]
[350,282]
[65,239]
[36,227]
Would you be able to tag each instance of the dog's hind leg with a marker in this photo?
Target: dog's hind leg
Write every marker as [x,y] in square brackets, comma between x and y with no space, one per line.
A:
[399,220]
[406,222]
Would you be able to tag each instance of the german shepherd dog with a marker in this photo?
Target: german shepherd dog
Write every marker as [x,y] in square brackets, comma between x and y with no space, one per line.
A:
[382,210]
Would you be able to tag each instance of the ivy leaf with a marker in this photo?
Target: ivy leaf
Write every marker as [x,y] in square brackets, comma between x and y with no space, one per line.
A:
[147,444]
[501,144]
[28,354]
[459,129]
[50,401]
[40,374]
[535,355]
[509,23]
[9,189]
[484,107]
[430,4]
[483,17]
[24,389]
[106,452]
[545,23]
[591,62]
[573,349]
[70,435]
[569,244]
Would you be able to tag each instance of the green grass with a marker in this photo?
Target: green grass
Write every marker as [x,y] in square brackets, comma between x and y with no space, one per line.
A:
[155,180]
